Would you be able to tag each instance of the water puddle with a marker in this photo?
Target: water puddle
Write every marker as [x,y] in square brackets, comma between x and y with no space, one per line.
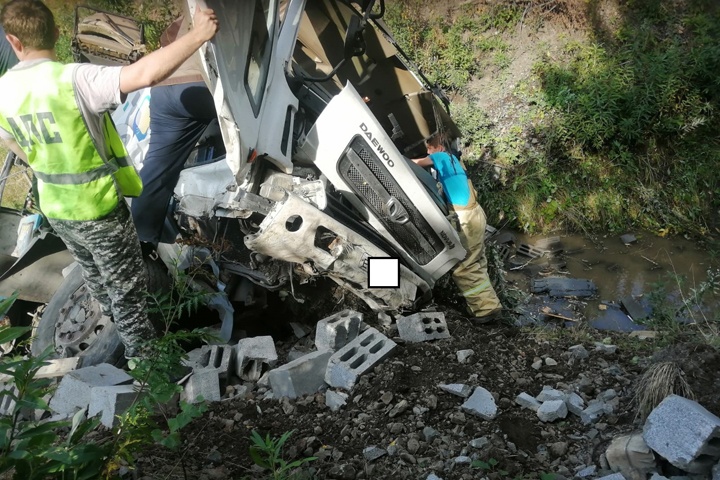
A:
[624,275]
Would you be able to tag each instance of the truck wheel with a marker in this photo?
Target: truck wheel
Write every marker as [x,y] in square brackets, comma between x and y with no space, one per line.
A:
[74,326]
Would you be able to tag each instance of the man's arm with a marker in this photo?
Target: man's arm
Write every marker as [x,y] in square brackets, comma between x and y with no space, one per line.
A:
[423,162]
[12,145]
[159,65]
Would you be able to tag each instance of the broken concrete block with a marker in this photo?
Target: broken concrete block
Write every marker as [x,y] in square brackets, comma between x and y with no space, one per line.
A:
[335,400]
[464,355]
[628,239]
[357,357]
[458,389]
[552,410]
[630,455]
[482,404]
[527,401]
[300,377]
[549,393]
[373,453]
[384,319]
[58,367]
[614,476]
[203,383]
[579,352]
[575,404]
[111,402]
[607,349]
[211,357]
[74,389]
[587,472]
[336,331]
[684,433]
[633,308]
[594,411]
[422,327]
[254,357]
[564,287]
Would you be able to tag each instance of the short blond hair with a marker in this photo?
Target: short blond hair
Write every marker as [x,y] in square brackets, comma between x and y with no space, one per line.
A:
[31,21]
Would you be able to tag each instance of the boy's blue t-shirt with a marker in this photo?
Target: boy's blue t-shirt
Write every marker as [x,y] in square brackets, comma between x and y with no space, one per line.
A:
[452,177]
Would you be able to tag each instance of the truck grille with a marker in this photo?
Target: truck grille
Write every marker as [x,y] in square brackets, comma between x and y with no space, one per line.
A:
[370,180]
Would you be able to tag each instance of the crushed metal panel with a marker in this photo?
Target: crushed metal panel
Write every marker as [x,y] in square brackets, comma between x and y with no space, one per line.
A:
[289,233]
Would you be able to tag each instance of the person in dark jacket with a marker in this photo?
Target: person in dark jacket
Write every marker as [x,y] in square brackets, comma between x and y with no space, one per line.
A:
[8,59]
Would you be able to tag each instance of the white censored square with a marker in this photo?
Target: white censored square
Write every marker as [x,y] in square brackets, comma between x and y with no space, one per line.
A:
[383,272]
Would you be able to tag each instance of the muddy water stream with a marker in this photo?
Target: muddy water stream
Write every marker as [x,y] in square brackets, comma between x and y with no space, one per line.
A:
[619,271]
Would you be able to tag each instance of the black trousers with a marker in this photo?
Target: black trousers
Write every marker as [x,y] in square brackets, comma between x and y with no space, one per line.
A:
[179,115]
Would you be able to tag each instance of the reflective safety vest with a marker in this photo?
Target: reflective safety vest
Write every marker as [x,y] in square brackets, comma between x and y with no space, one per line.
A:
[75,180]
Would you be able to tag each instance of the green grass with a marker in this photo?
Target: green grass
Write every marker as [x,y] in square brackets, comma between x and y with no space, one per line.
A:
[618,130]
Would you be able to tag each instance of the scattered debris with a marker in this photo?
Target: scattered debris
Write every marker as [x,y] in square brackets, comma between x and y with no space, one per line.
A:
[254,357]
[633,308]
[684,433]
[552,410]
[373,453]
[458,389]
[594,412]
[575,404]
[75,387]
[202,383]
[464,355]
[336,331]
[628,239]
[529,251]
[111,402]
[549,393]
[300,330]
[564,287]
[482,404]
[58,367]
[422,327]
[357,357]
[335,400]
[604,348]
[644,334]
[578,352]
[527,401]
[303,376]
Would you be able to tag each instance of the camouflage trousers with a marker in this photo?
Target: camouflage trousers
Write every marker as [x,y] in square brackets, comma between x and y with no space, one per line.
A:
[108,250]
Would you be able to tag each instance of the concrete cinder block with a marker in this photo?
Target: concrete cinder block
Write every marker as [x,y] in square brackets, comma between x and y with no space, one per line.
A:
[684,433]
[111,402]
[335,400]
[203,383]
[336,331]
[357,357]
[527,401]
[303,376]
[552,410]
[482,404]
[254,357]
[422,327]
[75,387]
[211,357]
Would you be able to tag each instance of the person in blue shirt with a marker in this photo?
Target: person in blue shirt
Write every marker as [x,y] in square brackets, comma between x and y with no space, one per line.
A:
[470,275]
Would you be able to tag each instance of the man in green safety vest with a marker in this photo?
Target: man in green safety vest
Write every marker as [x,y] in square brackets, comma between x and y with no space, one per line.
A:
[56,118]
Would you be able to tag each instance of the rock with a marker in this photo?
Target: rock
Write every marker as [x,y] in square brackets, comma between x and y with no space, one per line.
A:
[537,365]
[336,331]
[373,453]
[587,472]
[413,446]
[214,457]
[432,476]
[407,458]
[481,404]
[684,433]
[342,472]
[203,384]
[75,387]
[399,409]
[303,376]
[254,357]
[357,357]
[384,319]
[579,352]
[552,410]
[386,398]
[392,450]
[458,418]
[614,476]
[550,362]
[644,334]
[549,393]
[607,395]
[559,448]
[335,400]
[575,403]
[630,455]
[716,472]
[607,349]
[463,460]
[458,389]
[464,355]
[111,402]
[527,401]
[593,412]
[479,442]
[430,434]
[422,327]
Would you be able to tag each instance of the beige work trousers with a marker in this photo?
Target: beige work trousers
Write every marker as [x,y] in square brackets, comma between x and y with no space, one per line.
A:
[471,275]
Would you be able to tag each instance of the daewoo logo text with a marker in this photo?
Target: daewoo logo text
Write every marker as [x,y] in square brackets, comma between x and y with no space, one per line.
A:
[381,150]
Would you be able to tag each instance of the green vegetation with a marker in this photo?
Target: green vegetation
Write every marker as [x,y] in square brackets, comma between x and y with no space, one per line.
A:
[611,131]
[267,453]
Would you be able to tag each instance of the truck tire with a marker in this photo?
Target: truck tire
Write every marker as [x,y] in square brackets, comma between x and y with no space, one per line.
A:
[73,325]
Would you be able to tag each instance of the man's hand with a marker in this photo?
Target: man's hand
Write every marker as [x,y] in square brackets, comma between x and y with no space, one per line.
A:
[206,24]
